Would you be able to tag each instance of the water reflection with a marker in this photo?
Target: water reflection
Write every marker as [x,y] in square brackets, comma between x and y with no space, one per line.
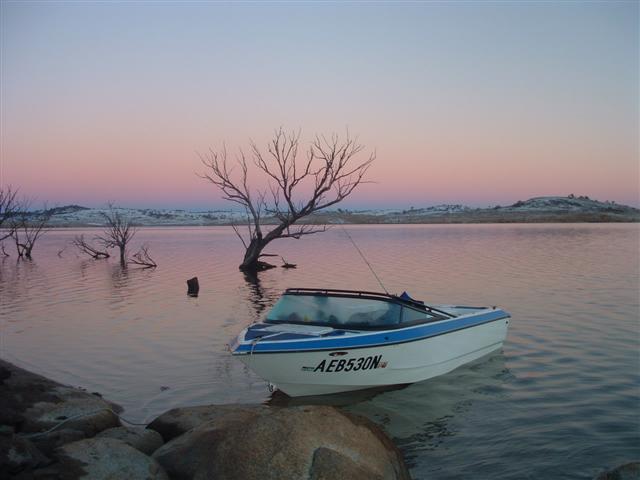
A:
[423,415]
[344,399]
[85,265]
[259,297]
[120,282]
[16,277]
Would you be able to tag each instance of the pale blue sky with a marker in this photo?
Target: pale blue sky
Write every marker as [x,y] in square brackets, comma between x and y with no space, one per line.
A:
[472,102]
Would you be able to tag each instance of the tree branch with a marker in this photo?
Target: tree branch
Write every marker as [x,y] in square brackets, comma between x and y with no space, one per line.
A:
[85,247]
[143,258]
[9,208]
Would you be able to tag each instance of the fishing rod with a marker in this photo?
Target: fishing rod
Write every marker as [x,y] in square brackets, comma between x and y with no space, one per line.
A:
[365,260]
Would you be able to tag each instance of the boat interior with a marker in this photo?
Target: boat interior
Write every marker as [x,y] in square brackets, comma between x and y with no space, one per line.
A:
[304,312]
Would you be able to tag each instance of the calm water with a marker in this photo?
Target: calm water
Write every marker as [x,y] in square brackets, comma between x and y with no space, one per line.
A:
[562,400]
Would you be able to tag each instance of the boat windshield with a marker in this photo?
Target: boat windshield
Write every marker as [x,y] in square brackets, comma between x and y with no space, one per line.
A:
[343,312]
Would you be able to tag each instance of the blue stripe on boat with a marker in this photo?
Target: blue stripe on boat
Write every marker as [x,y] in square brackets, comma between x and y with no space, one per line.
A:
[373,339]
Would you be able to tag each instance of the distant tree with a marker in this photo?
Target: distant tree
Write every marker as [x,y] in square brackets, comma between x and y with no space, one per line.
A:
[118,232]
[329,172]
[9,207]
[27,227]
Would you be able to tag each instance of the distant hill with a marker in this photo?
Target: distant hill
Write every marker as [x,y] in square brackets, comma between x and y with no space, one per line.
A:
[535,210]
[66,209]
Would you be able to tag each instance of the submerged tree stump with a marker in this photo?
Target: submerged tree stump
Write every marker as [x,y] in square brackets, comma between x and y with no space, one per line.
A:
[286,264]
[193,287]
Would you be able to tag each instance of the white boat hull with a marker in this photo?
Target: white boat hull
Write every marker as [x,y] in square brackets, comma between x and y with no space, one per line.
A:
[340,370]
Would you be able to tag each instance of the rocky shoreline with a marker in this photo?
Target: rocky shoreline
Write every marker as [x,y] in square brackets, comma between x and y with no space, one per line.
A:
[52,431]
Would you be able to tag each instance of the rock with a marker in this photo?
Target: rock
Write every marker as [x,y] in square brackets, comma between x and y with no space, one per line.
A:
[4,374]
[48,442]
[86,413]
[104,458]
[180,420]
[31,403]
[18,454]
[304,442]
[328,464]
[628,471]
[8,416]
[145,440]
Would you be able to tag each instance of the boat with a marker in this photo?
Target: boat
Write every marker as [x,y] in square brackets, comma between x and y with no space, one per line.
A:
[324,341]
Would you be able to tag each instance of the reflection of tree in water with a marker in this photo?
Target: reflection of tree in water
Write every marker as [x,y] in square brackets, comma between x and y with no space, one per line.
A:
[120,284]
[16,276]
[84,267]
[259,296]
[119,277]
[125,282]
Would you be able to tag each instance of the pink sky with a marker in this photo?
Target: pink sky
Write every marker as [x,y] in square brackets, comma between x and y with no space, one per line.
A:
[476,104]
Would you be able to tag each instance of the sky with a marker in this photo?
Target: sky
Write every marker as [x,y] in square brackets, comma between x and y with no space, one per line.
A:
[480,103]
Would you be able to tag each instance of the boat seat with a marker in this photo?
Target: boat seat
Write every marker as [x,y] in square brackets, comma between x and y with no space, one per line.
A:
[376,318]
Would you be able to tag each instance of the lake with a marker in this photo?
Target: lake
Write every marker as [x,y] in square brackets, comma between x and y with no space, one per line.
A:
[561,400]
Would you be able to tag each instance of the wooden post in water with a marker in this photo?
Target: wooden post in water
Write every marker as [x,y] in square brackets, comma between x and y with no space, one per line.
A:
[193,287]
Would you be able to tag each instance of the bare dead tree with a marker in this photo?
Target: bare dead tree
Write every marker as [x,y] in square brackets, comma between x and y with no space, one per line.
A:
[87,248]
[9,208]
[118,233]
[329,171]
[28,227]
[143,258]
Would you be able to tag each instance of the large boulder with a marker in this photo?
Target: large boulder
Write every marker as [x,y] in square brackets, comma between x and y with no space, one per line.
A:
[104,459]
[18,454]
[145,440]
[32,403]
[304,442]
[86,413]
[48,442]
[628,471]
[328,464]
[177,421]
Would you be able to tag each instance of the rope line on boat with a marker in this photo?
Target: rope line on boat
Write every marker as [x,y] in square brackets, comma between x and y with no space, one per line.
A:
[258,339]
[80,415]
[365,260]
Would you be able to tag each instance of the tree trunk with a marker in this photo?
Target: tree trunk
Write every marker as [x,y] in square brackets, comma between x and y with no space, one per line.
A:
[251,261]
[123,260]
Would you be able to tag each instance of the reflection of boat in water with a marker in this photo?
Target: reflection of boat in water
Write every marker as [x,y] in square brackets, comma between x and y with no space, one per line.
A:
[462,397]
[341,399]
[320,341]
